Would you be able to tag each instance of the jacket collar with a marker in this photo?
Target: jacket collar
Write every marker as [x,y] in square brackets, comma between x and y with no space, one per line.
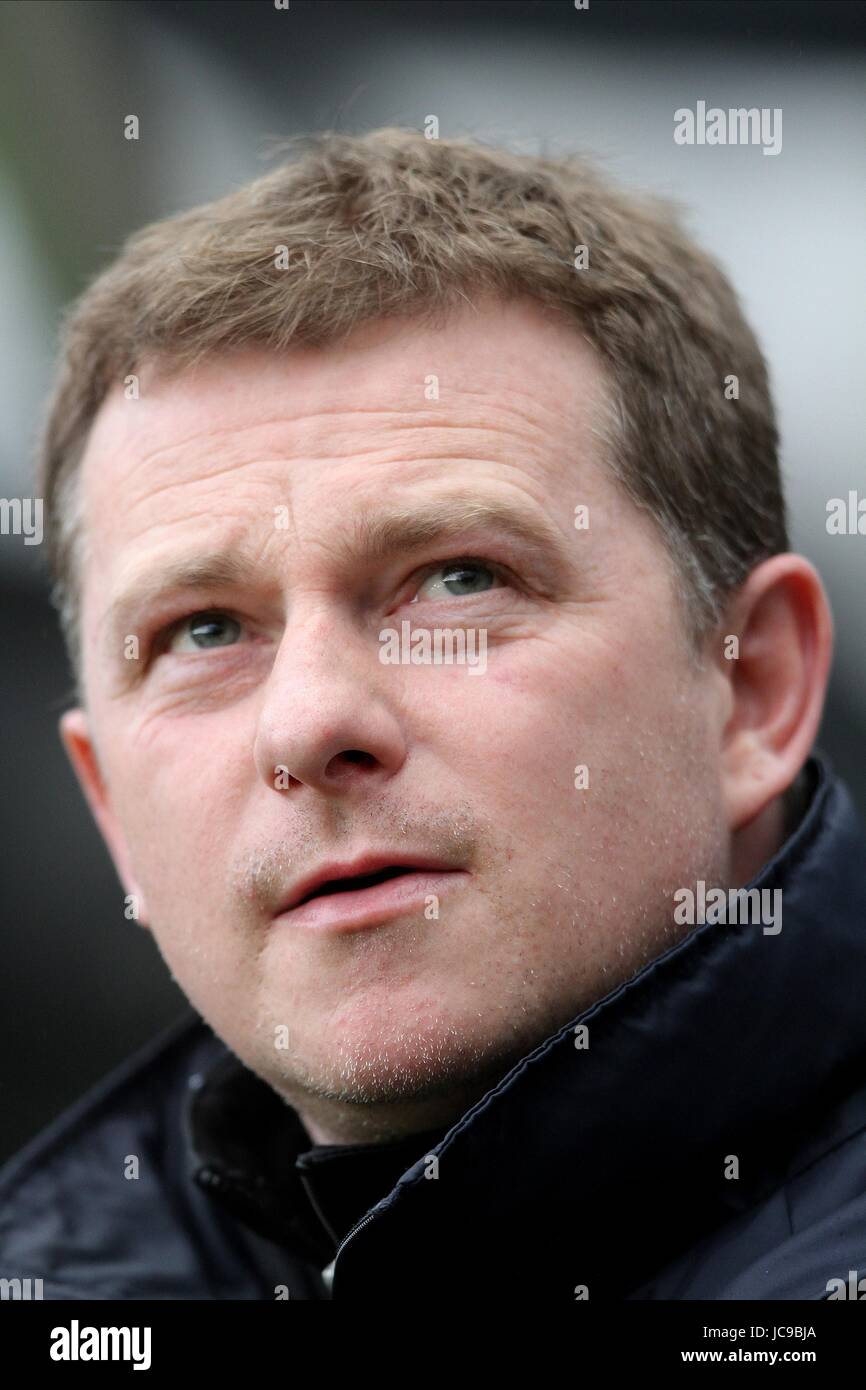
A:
[252,1154]
[600,1163]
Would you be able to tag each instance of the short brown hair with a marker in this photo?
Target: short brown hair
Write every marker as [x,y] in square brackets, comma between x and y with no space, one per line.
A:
[390,223]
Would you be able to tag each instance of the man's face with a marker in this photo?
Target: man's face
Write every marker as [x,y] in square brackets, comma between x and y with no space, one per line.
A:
[266,739]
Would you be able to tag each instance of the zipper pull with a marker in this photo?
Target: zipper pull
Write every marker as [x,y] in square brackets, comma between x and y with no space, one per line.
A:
[328,1275]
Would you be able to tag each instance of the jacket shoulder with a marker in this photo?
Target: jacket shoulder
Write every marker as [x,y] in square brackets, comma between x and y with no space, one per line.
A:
[824,1250]
[805,1241]
[100,1203]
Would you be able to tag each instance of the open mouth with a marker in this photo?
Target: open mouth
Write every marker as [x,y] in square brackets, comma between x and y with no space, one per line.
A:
[358,881]
[336,900]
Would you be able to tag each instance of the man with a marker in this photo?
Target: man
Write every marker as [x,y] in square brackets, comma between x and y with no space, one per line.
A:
[443,672]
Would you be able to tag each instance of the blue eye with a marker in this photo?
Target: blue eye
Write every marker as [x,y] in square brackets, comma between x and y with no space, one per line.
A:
[458,578]
[205,626]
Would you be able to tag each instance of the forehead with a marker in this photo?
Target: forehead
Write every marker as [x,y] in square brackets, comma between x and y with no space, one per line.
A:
[512,368]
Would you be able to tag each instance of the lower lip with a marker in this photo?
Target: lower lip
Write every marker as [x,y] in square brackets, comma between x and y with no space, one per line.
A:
[368,907]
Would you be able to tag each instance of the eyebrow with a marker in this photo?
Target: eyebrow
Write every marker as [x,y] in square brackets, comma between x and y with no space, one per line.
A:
[380,536]
[403,529]
[217,569]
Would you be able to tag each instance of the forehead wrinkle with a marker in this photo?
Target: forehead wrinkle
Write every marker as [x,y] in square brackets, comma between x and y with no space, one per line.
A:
[335,417]
[503,403]
[522,413]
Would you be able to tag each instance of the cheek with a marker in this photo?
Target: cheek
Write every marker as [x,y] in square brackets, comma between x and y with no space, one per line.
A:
[535,716]
[582,733]
[510,738]
[178,799]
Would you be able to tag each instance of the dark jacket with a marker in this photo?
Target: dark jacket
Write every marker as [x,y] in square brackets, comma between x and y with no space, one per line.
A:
[602,1171]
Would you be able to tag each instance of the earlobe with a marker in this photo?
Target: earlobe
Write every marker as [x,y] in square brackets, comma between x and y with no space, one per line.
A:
[78,741]
[779,668]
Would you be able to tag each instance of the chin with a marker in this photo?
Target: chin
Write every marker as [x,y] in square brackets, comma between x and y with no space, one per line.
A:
[383,1065]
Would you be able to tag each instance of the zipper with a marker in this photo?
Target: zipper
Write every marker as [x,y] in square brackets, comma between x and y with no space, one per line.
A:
[365,1220]
[329,1279]
[327,1274]
[354,1231]
[211,1178]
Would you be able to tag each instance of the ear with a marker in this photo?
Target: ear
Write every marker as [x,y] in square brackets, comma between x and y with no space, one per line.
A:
[777,672]
[82,753]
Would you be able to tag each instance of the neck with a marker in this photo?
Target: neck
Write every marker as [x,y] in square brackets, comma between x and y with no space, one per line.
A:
[756,843]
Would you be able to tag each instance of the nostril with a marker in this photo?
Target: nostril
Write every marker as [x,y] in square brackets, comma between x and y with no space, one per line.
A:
[345,766]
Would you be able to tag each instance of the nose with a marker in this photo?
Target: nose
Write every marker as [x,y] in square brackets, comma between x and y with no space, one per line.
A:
[328,720]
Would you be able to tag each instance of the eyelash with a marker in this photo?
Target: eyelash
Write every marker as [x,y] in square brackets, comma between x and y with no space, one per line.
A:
[501,572]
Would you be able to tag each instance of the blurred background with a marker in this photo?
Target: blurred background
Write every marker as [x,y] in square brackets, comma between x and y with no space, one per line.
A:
[215,85]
